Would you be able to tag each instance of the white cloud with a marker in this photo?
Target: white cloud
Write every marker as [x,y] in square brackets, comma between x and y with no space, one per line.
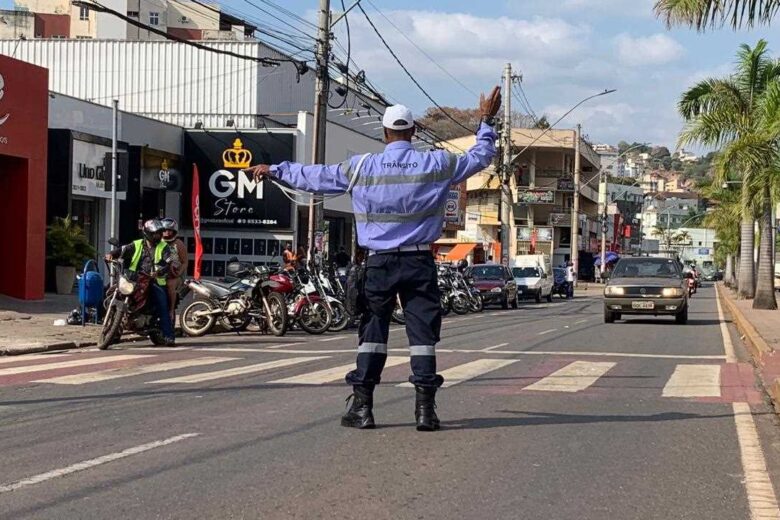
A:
[657,49]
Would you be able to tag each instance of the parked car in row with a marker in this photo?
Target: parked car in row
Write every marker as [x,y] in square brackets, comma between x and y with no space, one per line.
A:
[495,283]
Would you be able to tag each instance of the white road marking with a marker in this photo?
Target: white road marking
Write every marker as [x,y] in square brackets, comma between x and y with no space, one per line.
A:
[580,321]
[329,375]
[31,357]
[728,346]
[488,349]
[546,332]
[693,381]
[760,493]
[67,364]
[334,338]
[588,354]
[287,344]
[87,464]
[461,373]
[116,373]
[574,377]
[250,369]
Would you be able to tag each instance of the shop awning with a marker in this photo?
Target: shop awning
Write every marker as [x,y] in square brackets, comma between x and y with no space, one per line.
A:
[460,251]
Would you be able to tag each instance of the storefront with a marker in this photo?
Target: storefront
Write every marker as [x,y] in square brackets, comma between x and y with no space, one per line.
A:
[79,184]
[23,124]
[239,218]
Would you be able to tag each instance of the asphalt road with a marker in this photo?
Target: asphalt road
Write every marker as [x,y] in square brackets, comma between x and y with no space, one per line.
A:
[550,414]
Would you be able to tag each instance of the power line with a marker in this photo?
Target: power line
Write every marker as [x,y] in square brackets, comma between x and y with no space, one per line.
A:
[288,13]
[409,74]
[276,17]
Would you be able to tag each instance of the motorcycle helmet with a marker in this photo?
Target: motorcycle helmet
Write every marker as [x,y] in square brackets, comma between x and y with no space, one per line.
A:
[170,229]
[462,264]
[153,230]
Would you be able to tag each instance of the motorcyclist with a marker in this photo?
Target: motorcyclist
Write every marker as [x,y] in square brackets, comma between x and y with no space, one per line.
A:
[179,266]
[144,255]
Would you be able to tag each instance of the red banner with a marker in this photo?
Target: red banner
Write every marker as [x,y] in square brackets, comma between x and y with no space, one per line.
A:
[196,220]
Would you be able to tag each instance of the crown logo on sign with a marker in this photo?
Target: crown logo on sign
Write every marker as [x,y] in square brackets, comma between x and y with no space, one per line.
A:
[237,157]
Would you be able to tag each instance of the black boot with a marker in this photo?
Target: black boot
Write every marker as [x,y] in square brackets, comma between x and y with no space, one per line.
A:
[359,415]
[425,409]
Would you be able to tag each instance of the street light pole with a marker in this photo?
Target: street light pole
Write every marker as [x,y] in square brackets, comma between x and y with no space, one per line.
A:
[506,210]
[575,208]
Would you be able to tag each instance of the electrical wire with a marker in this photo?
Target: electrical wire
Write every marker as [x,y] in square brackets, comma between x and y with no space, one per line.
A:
[276,17]
[409,74]
[349,55]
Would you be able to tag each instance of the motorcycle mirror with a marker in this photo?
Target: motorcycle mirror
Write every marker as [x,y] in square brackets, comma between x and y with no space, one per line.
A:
[113,241]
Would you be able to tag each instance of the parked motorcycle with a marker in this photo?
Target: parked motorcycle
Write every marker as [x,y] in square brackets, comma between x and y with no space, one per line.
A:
[252,298]
[129,308]
[305,307]
[324,284]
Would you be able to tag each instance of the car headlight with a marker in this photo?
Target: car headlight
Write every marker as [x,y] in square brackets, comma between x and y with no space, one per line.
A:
[125,286]
[495,289]
[670,292]
[614,291]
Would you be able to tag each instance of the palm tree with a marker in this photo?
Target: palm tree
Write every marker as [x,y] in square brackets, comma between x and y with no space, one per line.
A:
[724,218]
[728,113]
[703,14]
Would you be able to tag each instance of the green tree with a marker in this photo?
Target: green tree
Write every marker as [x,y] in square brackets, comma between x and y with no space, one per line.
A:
[704,14]
[731,113]
[724,217]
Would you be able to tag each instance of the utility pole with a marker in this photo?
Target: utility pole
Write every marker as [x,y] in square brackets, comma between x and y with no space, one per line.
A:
[506,209]
[575,208]
[320,116]
[603,215]
[114,121]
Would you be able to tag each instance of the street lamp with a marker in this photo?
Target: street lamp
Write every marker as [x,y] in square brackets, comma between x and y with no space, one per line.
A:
[668,213]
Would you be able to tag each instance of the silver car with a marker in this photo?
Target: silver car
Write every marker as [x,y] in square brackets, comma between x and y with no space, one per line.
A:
[646,285]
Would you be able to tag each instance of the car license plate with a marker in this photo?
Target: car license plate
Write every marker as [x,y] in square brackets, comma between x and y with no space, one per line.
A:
[643,305]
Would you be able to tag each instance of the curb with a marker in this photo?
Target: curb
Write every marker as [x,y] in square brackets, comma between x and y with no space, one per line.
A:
[761,353]
[32,348]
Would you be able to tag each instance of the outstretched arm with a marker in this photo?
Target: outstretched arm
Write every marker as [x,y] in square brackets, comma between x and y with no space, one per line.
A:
[479,156]
[315,178]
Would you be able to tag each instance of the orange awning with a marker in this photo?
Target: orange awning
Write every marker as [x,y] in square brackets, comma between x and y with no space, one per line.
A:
[460,251]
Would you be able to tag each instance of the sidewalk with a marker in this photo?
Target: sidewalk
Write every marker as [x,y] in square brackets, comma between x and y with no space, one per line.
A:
[28,326]
[760,331]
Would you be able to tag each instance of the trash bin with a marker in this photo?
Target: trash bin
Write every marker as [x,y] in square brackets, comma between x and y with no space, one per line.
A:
[90,290]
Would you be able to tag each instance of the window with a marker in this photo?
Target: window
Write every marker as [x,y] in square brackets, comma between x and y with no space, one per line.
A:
[84,13]
[132,14]
[83,37]
[154,18]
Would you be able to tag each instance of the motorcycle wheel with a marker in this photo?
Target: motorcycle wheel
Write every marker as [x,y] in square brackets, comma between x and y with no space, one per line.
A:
[156,337]
[315,318]
[277,321]
[236,324]
[476,304]
[460,305]
[341,317]
[398,315]
[193,325]
[445,306]
[110,333]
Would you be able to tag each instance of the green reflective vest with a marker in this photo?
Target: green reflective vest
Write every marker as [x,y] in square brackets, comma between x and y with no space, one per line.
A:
[158,254]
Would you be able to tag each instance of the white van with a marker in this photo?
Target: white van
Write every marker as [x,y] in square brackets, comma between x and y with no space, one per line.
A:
[533,276]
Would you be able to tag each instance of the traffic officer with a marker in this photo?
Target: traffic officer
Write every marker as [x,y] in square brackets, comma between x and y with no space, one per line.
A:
[398,199]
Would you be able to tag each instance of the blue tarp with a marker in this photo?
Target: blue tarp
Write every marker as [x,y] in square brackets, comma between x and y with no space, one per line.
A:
[611,256]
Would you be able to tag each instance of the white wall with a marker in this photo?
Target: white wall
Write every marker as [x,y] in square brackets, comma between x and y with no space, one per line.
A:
[197,16]
[108,26]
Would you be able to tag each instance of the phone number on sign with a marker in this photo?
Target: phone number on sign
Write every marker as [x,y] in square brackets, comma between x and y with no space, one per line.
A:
[266,222]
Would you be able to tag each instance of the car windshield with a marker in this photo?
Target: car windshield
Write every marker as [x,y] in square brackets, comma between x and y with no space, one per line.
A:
[646,268]
[488,272]
[526,272]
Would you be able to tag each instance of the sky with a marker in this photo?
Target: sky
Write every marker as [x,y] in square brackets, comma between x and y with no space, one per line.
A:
[565,50]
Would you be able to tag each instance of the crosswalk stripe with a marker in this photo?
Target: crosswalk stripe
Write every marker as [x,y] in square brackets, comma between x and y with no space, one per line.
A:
[574,377]
[116,373]
[461,373]
[250,369]
[329,375]
[67,364]
[30,357]
[694,381]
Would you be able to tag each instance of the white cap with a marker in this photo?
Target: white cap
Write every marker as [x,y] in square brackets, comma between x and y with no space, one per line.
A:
[398,117]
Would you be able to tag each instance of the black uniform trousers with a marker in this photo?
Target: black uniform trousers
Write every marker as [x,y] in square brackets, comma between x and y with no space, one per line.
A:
[412,276]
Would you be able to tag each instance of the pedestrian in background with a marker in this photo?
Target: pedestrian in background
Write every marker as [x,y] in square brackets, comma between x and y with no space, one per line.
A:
[571,276]
[398,199]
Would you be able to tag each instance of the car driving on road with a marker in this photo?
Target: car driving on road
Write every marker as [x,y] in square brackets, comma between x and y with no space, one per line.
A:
[532,282]
[647,286]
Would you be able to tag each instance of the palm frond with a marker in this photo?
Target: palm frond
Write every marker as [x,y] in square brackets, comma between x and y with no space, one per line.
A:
[710,14]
